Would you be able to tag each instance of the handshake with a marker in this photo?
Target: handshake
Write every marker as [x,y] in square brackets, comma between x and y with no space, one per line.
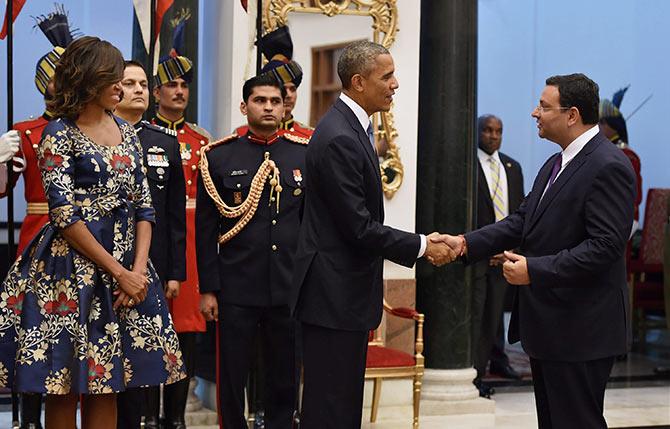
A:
[443,249]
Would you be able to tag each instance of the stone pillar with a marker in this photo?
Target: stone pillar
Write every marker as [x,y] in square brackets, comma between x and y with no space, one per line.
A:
[446,179]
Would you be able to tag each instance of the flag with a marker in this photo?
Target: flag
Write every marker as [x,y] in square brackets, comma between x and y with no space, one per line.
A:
[143,12]
[17,4]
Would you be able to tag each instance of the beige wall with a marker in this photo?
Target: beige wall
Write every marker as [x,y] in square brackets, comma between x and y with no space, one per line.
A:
[308,31]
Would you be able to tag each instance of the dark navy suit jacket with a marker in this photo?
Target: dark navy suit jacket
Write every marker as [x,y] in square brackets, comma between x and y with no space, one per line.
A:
[343,241]
[574,238]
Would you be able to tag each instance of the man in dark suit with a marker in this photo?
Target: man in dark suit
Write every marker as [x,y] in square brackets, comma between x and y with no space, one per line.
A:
[571,231]
[343,242]
[168,241]
[499,192]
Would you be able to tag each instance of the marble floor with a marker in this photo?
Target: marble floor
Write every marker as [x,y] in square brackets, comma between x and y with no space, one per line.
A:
[624,407]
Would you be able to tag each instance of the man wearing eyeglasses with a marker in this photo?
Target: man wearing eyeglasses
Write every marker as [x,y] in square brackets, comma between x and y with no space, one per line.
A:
[571,296]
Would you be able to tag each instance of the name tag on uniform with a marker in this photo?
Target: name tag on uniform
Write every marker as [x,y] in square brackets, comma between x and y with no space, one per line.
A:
[239,173]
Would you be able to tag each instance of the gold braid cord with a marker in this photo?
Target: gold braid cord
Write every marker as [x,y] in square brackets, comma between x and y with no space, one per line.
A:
[246,210]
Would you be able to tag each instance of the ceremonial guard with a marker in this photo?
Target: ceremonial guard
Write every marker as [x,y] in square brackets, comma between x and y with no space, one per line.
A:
[249,197]
[171,91]
[56,28]
[613,125]
[277,47]
[162,162]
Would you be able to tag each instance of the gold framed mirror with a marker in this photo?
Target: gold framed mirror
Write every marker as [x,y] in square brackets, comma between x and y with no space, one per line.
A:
[384,15]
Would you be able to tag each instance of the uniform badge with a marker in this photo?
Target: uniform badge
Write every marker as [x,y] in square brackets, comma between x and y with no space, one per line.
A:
[235,173]
[237,197]
[297,176]
[160,170]
[297,192]
[156,157]
[185,151]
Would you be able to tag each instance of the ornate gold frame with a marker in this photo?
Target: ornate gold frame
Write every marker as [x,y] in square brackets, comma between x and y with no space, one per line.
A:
[384,14]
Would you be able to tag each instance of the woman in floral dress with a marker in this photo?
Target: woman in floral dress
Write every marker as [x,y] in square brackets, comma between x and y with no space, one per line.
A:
[82,310]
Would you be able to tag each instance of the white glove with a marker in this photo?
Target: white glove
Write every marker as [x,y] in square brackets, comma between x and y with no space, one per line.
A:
[9,145]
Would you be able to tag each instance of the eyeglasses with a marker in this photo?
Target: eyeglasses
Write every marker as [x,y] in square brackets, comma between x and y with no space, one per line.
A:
[543,109]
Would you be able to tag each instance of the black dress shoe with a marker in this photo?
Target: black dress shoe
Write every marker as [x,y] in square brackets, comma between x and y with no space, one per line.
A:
[505,371]
[176,425]
[151,423]
[485,391]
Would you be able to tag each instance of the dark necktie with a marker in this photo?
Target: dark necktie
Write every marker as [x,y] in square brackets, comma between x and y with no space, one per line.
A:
[555,170]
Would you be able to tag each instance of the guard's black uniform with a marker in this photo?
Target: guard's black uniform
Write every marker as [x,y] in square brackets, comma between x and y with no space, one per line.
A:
[252,272]
[162,162]
[166,182]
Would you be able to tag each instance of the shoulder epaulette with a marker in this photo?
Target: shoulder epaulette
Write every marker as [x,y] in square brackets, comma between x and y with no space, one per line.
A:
[160,129]
[203,132]
[220,142]
[296,139]
[32,122]
[306,127]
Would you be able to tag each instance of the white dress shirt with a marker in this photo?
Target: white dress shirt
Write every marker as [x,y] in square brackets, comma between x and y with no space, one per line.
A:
[571,151]
[364,119]
[488,174]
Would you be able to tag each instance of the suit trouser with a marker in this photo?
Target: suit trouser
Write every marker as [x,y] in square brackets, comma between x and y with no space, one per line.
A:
[334,371]
[488,301]
[238,327]
[570,395]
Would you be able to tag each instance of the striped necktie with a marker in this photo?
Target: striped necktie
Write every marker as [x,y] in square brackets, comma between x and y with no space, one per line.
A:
[499,206]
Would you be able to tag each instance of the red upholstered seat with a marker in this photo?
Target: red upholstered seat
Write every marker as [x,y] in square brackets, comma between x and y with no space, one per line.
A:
[384,357]
[384,362]
[646,272]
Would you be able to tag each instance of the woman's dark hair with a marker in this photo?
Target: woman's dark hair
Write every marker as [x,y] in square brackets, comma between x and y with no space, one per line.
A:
[87,67]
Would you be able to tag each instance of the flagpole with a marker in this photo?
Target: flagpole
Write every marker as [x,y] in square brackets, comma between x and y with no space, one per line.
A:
[152,53]
[259,35]
[10,170]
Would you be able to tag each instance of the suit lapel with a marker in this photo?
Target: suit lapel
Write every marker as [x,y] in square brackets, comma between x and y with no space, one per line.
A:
[362,136]
[538,188]
[484,187]
[565,177]
[512,184]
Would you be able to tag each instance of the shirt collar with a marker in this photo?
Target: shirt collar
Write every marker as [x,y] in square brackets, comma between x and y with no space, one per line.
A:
[166,123]
[578,144]
[287,124]
[483,156]
[262,140]
[360,113]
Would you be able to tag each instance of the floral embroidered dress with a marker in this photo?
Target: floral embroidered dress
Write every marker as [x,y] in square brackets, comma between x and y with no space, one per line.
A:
[58,330]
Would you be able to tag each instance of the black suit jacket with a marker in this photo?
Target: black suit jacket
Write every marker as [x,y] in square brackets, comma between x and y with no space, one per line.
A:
[485,213]
[343,241]
[166,182]
[574,239]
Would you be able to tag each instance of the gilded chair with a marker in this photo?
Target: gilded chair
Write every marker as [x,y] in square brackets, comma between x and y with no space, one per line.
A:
[384,362]
[646,271]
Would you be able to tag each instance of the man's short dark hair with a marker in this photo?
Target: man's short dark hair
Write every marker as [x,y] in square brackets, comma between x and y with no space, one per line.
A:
[261,80]
[358,58]
[128,63]
[483,119]
[577,90]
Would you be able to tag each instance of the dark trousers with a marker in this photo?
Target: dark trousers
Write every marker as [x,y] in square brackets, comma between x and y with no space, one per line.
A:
[570,395]
[129,408]
[238,327]
[488,300]
[334,375]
